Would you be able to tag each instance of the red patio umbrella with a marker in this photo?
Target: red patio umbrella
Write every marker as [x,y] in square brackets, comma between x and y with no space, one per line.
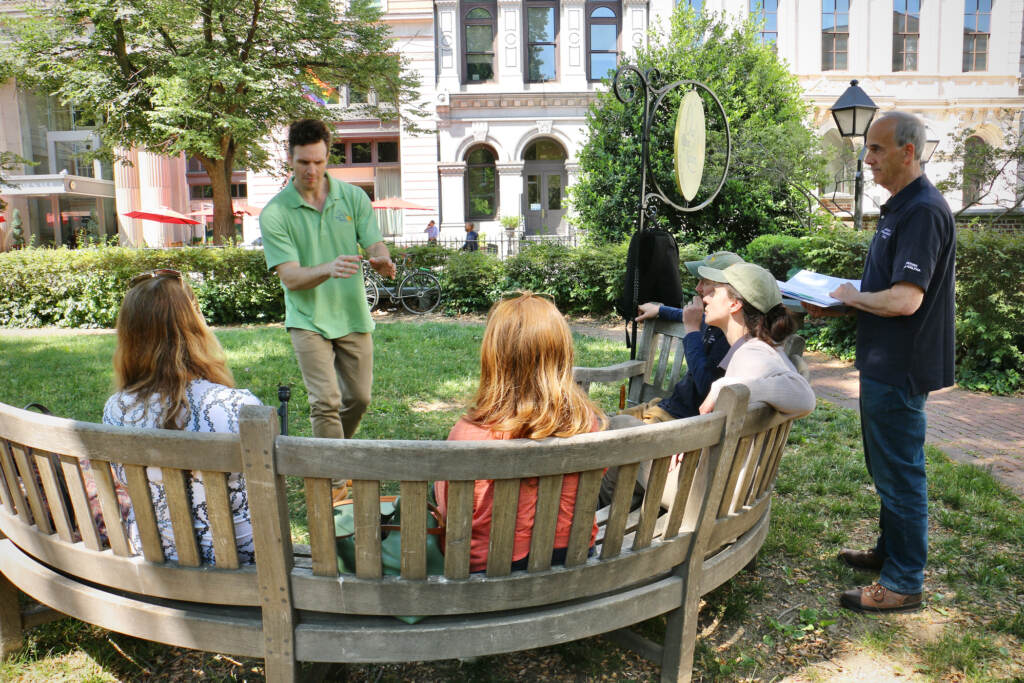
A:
[398,203]
[161,215]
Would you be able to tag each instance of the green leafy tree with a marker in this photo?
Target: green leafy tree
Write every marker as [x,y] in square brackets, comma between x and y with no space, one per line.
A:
[776,159]
[980,170]
[209,78]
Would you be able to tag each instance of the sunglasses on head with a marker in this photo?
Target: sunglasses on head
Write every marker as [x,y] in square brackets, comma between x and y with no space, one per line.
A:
[158,272]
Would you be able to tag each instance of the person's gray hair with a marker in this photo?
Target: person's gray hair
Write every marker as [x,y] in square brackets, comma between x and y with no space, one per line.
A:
[909,130]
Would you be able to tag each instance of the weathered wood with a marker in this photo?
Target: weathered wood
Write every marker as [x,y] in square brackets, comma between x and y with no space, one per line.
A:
[773,471]
[766,462]
[610,373]
[616,526]
[652,503]
[677,363]
[138,487]
[684,482]
[222,521]
[583,517]
[80,502]
[100,470]
[366,524]
[739,462]
[37,614]
[31,487]
[414,529]
[176,484]
[503,527]
[55,502]
[542,539]
[320,518]
[5,493]
[663,354]
[458,529]
[13,488]
[268,506]
[11,626]
[735,525]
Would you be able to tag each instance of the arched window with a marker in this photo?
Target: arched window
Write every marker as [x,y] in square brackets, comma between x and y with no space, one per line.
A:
[602,39]
[544,149]
[478,41]
[481,183]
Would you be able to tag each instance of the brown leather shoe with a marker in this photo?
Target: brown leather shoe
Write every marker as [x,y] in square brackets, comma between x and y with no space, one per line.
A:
[876,598]
[863,560]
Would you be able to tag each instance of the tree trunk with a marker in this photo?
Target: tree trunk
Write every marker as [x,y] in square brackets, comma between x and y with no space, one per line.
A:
[220,171]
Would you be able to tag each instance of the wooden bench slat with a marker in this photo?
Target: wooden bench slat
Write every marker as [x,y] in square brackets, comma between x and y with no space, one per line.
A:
[755,462]
[771,441]
[80,502]
[503,527]
[176,483]
[583,517]
[773,472]
[13,484]
[51,479]
[545,522]
[320,519]
[677,364]
[739,461]
[652,503]
[137,483]
[414,529]
[664,350]
[366,511]
[458,529]
[621,499]
[31,487]
[222,521]
[684,481]
[100,470]
[6,498]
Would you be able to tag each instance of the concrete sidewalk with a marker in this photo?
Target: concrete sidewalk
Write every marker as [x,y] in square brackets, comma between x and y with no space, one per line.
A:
[970,427]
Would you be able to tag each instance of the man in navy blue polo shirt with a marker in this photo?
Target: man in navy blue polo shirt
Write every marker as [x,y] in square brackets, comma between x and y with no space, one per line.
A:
[904,350]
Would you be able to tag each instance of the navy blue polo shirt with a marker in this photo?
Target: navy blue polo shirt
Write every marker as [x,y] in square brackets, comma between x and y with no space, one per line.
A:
[915,242]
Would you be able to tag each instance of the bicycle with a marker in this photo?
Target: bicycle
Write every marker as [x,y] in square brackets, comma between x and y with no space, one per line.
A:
[418,289]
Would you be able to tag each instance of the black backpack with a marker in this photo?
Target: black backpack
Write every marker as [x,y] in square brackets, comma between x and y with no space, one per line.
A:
[652,272]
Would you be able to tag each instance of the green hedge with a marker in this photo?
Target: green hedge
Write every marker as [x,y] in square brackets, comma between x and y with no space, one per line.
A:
[84,287]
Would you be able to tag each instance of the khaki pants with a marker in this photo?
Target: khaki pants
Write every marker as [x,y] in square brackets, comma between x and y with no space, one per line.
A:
[338,374]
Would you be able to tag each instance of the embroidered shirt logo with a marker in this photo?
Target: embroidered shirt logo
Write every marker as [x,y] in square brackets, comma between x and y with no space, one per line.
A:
[343,217]
[885,233]
[910,265]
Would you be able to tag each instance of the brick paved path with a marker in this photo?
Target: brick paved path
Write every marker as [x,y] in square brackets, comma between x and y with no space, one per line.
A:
[970,427]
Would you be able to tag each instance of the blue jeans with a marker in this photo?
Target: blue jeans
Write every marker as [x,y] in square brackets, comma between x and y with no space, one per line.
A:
[893,426]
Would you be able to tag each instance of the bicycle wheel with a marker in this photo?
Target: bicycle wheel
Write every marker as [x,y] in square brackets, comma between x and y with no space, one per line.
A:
[372,291]
[420,292]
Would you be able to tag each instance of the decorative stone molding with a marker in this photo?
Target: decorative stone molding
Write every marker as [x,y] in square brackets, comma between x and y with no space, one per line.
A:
[509,168]
[544,127]
[451,168]
[505,101]
[480,130]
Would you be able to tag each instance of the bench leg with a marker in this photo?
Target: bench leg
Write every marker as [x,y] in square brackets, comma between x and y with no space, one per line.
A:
[680,641]
[10,619]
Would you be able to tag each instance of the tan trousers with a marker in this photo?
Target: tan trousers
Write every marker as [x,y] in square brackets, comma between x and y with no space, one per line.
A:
[338,374]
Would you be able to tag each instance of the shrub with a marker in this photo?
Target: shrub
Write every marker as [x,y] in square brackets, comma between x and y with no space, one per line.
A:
[84,287]
[471,281]
[778,253]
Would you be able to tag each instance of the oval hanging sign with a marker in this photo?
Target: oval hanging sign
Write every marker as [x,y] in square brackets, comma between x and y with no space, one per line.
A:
[689,144]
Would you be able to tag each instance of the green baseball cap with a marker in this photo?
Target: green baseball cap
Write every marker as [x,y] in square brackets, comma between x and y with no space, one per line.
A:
[719,260]
[753,283]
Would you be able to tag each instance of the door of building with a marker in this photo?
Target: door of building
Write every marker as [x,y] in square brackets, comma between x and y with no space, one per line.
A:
[543,187]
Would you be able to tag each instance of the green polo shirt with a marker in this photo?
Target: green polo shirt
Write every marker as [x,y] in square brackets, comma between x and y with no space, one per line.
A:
[293,230]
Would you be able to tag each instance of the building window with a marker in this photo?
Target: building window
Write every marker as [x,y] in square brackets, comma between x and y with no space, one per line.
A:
[238,191]
[835,34]
[364,153]
[906,31]
[767,11]
[695,5]
[481,184]
[603,39]
[478,37]
[541,45]
[977,23]
[977,167]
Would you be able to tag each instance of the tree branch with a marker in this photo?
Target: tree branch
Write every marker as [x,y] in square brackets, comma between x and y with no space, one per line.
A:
[257,7]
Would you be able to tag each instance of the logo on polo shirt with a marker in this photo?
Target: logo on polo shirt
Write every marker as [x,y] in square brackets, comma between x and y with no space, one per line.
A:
[343,217]
[885,233]
[910,265]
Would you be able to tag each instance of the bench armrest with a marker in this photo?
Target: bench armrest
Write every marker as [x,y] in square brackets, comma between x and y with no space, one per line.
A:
[610,373]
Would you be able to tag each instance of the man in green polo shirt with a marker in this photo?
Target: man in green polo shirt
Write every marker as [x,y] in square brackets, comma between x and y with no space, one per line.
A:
[311,230]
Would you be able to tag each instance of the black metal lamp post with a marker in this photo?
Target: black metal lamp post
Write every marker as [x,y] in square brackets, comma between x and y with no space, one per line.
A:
[853,112]
[929,149]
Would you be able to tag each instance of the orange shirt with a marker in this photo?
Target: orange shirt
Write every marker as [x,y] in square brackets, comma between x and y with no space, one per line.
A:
[483,503]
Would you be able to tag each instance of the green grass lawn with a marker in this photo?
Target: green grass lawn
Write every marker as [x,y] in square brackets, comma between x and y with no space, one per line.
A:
[778,620]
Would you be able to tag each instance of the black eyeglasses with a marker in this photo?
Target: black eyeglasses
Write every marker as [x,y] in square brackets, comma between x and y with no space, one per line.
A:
[158,272]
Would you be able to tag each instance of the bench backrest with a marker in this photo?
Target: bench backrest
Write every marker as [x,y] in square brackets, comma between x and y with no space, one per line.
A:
[45,507]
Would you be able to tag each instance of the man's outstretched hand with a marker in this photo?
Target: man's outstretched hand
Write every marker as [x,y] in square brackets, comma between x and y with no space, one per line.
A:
[384,266]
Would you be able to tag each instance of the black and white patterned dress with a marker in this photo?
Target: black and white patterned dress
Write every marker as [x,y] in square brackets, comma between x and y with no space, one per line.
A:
[211,408]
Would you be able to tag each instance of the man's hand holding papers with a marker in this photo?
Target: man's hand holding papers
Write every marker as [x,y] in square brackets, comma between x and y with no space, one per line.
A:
[821,295]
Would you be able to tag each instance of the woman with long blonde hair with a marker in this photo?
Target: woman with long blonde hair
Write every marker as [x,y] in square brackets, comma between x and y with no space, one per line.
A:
[526,391]
[170,373]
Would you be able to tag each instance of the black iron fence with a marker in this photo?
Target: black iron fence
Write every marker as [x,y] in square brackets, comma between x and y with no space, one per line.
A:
[503,246]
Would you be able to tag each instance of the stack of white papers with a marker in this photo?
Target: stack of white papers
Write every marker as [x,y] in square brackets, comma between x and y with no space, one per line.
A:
[814,288]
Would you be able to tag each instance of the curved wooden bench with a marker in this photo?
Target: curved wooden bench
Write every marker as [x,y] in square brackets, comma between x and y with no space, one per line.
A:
[294,606]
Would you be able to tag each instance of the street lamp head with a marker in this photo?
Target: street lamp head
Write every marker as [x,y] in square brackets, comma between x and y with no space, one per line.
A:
[853,111]
[929,148]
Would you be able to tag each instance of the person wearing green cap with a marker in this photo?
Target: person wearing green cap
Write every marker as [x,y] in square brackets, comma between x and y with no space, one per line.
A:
[704,347]
[744,301]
